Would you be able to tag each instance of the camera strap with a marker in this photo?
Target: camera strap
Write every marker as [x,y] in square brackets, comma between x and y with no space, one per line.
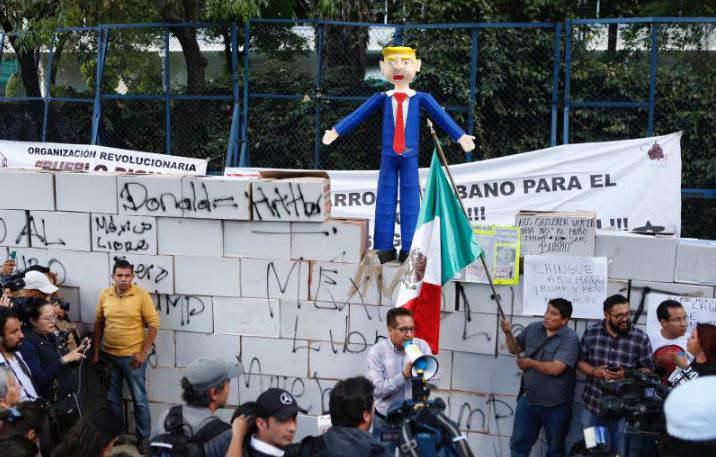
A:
[530,355]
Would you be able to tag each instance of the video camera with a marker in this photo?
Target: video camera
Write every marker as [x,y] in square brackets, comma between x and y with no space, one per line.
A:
[421,429]
[639,398]
[14,282]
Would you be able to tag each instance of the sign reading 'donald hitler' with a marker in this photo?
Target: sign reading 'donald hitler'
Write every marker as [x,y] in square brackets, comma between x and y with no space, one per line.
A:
[581,280]
[557,233]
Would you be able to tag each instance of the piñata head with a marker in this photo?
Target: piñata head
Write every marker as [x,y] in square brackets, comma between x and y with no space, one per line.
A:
[399,65]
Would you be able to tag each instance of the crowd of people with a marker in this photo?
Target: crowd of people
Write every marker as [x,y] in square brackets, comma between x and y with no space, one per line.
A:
[41,354]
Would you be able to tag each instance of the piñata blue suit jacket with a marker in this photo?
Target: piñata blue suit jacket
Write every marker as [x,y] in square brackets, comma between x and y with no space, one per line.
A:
[412,124]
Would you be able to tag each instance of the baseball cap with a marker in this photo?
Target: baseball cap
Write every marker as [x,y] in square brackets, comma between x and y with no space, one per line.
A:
[277,403]
[689,410]
[204,373]
[39,281]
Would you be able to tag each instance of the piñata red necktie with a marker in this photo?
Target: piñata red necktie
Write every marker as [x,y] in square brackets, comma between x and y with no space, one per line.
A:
[399,135]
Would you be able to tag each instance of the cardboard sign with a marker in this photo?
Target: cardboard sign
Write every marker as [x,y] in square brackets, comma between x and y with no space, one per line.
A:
[501,244]
[557,233]
[581,280]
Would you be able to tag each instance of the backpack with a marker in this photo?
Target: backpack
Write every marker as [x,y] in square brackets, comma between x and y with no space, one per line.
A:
[176,442]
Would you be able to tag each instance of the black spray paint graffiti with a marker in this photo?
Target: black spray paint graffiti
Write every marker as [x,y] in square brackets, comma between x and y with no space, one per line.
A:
[147,271]
[321,233]
[188,305]
[278,206]
[33,234]
[127,236]
[135,197]
[3,230]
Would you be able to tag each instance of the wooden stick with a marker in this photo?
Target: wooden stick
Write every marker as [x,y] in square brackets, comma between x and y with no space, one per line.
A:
[443,159]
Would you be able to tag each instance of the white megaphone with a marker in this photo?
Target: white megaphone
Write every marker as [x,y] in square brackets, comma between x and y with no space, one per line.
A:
[428,364]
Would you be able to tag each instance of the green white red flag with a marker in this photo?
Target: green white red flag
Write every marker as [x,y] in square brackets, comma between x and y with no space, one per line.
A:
[443,245]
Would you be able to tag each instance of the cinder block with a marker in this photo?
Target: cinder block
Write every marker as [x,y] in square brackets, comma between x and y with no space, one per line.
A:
[335,240]
[247,316]
[200,237]
[482,444]
[71,192]
[468,332]
[71,296]
[150,195]
[13,228]
[59,230]
[207,276]
[315,321]
[164,385]
[163,351]
[368,323]
[633,256]
[445,364]
[306,426]
[191,346]
[88,304]
[272,356]
[152,272]
[260,240]
[130,234]
[696,261]
[284,279]
[216,197]
[28,190]
[498,375]
[304,199]
[481,299]
[80,269]
[332,282]
[501,414]
[188,313]
[469,411]
[336,361]
[26,257]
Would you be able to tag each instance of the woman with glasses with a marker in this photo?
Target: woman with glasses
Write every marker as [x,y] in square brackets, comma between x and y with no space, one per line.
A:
[53,369]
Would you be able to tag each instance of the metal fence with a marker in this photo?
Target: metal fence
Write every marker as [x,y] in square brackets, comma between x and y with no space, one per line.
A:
[262,93]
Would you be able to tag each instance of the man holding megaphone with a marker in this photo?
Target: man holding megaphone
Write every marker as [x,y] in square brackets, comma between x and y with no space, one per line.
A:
[393,362]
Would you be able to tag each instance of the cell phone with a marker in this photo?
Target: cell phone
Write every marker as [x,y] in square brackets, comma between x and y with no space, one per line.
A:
[613,368]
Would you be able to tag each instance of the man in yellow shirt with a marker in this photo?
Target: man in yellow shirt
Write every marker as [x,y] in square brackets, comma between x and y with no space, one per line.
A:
[123,312]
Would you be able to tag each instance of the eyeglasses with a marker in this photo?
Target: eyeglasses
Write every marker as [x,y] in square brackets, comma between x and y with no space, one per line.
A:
[620,316]
[51,319]
[678,319]
[405,330]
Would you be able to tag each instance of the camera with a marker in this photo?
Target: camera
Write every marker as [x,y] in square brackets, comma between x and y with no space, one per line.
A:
[14,282]
[639,398]
[420,428]
[64,305]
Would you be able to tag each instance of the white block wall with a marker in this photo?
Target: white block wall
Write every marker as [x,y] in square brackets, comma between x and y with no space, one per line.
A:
[274,294]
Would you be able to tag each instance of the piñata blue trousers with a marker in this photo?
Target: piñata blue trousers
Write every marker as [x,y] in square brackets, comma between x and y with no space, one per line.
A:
[391,168]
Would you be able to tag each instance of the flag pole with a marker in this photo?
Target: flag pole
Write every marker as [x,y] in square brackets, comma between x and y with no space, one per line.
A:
[443,159]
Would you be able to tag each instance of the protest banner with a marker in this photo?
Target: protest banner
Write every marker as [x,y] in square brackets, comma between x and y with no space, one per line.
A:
[89,158]
[698,309]
[631,185]
[581,280]
[569,233]
[501,244]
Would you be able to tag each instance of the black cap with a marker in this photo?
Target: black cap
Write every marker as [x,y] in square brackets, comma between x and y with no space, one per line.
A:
[277,403]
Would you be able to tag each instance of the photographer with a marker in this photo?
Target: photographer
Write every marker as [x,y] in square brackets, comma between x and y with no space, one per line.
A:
[607,350]
[53,370]
[690,419]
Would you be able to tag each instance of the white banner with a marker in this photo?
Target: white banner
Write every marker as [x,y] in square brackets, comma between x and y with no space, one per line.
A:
[628,184]
[84,157]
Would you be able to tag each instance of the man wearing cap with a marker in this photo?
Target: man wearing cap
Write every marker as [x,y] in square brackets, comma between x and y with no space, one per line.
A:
[205,388]
[124,310]
[275,415]
[400,146]
[690,419]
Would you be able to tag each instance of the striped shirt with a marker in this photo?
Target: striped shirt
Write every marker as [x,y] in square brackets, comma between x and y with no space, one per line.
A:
[384,368]
[598,348]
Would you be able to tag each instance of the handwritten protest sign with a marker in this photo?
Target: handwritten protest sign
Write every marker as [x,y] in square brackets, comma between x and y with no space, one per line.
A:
[557,233]
[698,309]
[501,244]
[581,280]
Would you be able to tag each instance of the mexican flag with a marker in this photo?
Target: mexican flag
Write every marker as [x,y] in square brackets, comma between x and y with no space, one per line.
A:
[443,245]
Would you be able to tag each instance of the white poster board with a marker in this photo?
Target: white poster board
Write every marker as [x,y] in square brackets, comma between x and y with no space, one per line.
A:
[698,309]
[581,280]
[557,233]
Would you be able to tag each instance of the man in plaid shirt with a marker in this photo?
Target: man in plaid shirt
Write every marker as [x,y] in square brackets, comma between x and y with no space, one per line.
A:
[607,350]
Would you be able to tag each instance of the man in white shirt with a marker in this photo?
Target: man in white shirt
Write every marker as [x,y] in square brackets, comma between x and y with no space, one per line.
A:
[10,357]
[669,341]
